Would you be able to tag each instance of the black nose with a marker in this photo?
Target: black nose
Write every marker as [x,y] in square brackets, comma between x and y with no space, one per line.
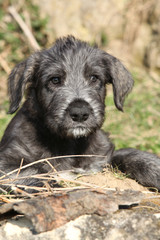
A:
[79,111]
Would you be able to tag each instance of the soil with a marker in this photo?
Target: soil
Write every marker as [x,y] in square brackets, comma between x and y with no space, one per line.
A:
[110,180]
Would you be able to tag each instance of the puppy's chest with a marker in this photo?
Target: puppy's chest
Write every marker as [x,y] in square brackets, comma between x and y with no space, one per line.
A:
[57,147]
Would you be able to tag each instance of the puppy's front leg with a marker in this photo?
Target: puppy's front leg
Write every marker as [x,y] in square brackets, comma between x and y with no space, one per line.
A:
[141,166]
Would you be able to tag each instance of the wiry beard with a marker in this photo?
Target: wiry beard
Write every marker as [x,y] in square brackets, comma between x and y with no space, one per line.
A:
[78,132]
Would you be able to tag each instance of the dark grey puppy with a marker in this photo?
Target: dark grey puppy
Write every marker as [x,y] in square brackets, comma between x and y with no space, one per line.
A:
[64,111]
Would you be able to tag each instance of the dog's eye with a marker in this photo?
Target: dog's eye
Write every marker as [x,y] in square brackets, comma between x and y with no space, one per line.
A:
[56,80]
[93,78]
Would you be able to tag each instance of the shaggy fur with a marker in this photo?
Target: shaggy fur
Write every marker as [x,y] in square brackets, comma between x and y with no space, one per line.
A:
[64,111]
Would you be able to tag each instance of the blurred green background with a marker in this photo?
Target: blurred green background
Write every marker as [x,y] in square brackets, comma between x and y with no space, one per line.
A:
[128,29]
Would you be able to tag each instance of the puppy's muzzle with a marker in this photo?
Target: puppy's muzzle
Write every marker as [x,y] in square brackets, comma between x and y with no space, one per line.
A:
[79,111]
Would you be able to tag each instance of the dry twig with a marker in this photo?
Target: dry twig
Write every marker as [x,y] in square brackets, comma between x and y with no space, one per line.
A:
[24,28]
[20,168]
[4,65]
[46,160]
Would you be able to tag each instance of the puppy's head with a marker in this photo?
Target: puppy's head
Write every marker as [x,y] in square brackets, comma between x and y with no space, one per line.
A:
[68,82]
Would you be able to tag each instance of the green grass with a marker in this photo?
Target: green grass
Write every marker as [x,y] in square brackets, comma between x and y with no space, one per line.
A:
[3,123]
[4,117]
[118,174]
[138,126]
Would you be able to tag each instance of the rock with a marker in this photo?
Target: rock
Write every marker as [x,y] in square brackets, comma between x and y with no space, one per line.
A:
[50,212]
[87,214]
[130,225]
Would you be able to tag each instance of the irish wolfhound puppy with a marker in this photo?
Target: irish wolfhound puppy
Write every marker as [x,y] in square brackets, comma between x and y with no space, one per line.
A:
[64,111]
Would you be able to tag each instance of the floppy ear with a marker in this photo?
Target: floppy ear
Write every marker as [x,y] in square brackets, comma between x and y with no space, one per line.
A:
[120,79]
[20,75]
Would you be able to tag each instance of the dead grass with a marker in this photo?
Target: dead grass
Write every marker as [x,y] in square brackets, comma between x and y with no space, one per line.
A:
[103,181]
[8,180]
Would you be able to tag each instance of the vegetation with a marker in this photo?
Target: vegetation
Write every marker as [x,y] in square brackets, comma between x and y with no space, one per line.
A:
[12,40]
[14,47]
[138,126]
